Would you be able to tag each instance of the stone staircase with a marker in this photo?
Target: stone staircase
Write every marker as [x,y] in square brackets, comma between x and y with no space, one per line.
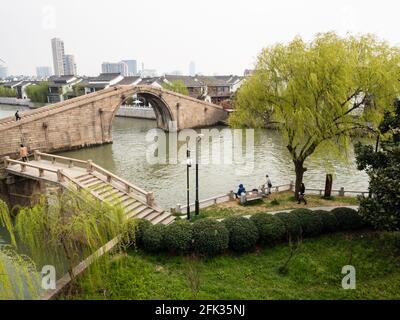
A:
[101,184]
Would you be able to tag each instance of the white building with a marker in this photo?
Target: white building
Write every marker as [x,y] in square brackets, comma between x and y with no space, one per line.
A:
[43,72]
[111,67]
[58,56]
[69,65]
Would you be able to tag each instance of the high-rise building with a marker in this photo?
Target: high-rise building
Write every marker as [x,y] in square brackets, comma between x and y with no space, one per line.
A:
[58,56]
[69,65]
[192,68]
[111,67]
[132,67]
[43,72]
[3,72]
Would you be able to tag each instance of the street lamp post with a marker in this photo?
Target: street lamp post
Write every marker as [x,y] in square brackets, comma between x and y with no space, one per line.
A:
[188,165]
[197,205]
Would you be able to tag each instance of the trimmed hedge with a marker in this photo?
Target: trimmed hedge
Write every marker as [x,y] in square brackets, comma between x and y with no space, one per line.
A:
[292,224]
[243,234]
[270,227]
[210,237]
[153,238]
[328,220]
[178,237]
[310,222]
[141,227]
[348,219]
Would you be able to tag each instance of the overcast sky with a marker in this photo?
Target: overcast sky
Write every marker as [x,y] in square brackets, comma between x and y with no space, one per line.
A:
[221,36]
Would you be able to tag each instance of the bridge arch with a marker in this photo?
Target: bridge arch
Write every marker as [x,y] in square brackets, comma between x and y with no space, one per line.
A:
[162,110]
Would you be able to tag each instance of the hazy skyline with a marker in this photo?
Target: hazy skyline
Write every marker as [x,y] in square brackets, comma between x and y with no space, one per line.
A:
[221,37]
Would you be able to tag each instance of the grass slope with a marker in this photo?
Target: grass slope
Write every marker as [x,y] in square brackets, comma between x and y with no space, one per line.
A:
[314,273]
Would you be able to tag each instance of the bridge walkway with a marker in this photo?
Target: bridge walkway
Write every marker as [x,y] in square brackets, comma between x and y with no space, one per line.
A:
[103,185]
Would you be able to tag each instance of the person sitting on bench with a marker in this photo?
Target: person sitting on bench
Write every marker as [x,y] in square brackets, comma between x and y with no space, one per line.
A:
[240,191]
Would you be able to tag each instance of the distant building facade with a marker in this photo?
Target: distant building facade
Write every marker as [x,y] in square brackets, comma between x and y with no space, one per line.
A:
[70,65]
[192,68]
[58,56]
[61,87]
[3,72]
[111,67]
[148,73]
[132,67]
[43,72]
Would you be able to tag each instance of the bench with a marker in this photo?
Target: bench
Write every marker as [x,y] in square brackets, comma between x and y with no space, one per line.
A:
[251,196]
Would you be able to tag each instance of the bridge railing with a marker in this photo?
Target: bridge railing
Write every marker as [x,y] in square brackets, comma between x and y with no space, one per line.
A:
[91,167]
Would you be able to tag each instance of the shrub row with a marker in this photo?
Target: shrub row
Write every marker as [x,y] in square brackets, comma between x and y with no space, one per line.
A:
[210,237]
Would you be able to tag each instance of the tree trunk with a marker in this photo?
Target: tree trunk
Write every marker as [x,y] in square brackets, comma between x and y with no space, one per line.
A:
[299,169]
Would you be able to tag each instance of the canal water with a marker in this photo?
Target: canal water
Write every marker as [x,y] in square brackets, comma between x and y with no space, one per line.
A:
[126,157]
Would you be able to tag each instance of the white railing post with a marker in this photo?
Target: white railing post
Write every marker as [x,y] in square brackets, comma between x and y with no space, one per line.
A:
[341,192]
[36,155]
[231,195]
[6,163]
[150,199]
[89,166]
[178,208]
[60,175]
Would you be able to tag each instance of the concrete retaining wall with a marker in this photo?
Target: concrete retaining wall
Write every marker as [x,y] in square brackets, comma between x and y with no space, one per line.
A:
[136,112]
[17,102]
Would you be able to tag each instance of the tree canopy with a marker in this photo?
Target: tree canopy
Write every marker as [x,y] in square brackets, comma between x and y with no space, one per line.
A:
[319,93]
[382,210]
[7,92]
[177,86]
[38,93]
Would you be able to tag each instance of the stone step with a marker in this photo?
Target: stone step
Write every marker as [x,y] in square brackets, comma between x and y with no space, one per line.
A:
[133,205]
[110,194]
[161,218]
[114,196]
[85,178]
[152,216]
[169,220]
[145,213]
[101,187]
[90,181]
[121,199]
[136,211]
[94,184]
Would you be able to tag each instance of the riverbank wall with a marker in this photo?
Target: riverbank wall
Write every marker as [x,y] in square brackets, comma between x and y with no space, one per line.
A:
[136,112]
[16,102]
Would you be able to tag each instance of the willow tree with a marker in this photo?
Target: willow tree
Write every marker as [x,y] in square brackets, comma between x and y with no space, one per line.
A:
[62,231]
[177,86]
[320,92]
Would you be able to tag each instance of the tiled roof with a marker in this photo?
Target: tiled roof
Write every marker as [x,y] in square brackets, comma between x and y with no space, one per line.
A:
[127,81]
[212,81]
[104,77]
[190,82]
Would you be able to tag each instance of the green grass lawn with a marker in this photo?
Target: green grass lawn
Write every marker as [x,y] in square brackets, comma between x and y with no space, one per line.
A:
[281,201]
[314,273]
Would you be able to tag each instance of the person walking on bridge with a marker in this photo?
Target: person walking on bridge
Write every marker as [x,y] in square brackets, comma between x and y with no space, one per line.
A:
[17,116]
[23,152]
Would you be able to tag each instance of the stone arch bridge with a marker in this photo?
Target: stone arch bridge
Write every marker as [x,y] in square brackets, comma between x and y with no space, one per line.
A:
[87,120]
